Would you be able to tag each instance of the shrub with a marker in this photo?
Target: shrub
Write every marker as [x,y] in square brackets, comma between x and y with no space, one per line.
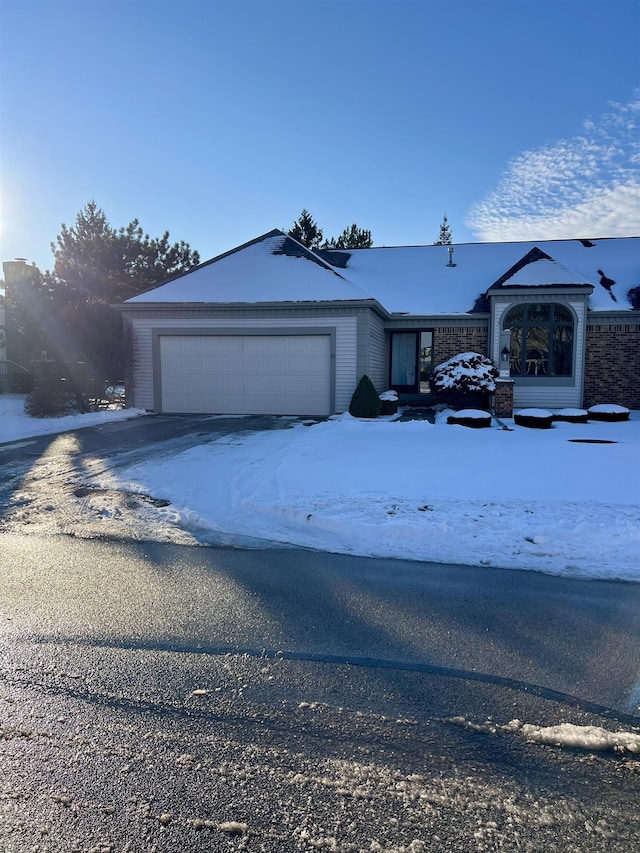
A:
[48,399]
[608,412]
[468,372]
[571,416]
[533,418]
[365,402]
[473,418]
[389,403]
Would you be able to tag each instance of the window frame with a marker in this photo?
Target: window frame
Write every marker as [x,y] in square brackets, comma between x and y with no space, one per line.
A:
[527,326]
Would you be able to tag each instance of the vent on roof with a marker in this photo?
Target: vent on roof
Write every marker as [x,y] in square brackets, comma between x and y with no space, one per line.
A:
[451,263]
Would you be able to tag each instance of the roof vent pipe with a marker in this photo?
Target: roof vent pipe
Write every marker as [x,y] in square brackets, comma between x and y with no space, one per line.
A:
[451,263]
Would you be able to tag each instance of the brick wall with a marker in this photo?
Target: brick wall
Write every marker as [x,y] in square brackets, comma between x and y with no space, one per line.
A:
[612,364]
[452,340]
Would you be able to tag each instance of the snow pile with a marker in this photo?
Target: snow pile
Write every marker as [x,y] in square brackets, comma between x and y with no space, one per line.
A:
[16,424]
[578,737]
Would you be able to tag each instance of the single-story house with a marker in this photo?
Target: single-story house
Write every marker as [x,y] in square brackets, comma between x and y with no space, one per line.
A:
[273,327]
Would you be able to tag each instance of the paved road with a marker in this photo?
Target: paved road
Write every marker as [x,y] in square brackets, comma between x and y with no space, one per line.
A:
[162,697]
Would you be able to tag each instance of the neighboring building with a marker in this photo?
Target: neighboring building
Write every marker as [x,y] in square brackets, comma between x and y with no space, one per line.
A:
[273,327]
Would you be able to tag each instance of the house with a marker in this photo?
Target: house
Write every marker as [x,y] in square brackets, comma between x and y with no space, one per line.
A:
[272,327]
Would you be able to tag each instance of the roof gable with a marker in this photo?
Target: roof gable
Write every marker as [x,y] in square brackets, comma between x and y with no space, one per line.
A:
[538,269]
[271,268]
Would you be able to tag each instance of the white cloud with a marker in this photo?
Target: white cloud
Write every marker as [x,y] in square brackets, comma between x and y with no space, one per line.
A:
[586,186]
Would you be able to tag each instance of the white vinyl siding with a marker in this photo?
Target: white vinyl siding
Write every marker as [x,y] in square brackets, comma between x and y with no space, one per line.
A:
[345,347]
[378,355]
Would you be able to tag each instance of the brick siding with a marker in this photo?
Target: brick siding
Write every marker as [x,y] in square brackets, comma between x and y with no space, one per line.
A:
[452,340]
[612,365]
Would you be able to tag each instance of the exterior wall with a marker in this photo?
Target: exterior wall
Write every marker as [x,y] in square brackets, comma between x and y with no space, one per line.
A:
[373,345]
[143,325]
[452,340]
[612,366]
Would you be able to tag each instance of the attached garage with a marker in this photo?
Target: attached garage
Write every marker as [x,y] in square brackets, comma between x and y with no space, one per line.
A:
[232,373]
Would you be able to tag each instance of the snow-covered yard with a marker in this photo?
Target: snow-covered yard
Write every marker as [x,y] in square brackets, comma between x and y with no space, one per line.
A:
[524,499]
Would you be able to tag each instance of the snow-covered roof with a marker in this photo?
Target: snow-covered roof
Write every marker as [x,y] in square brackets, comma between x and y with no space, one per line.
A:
[272,268]
[433,280]
[427,280]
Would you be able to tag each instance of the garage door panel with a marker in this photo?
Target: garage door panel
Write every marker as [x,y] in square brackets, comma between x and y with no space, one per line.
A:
[246,374]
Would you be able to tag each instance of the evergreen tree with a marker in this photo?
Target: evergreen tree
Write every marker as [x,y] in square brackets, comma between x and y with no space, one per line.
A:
[96,265]
[306,231]
[444,237]
[351,238]
[365,402]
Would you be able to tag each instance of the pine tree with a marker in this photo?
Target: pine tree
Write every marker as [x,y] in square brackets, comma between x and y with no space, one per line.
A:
[444,237]
[306,231]
[351,238]
[96,265]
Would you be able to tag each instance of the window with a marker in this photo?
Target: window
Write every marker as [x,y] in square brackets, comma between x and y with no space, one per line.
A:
[411,361]
[541,339]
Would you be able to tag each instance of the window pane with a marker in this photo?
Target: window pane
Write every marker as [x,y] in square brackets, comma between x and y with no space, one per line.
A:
[516,352]
[538,313]
[537,356]
[562,314]
[403,358]
[426,360]
[562,351]
[514,315]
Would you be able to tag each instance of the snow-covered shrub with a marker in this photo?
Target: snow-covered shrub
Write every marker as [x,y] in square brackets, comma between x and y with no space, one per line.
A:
[365,402]
[389,401]
[571,416]
[608,412]
[474,418]
[533,418]
[468,372]
[466,380]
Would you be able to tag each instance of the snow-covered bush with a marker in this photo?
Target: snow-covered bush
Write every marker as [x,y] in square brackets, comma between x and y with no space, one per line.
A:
[389,401]
[608,412]
[467,372]
[365,402]
[474,418]
[571,416]
[533,418]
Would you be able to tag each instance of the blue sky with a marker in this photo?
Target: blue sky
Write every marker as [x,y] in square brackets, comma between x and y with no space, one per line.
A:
[219,120]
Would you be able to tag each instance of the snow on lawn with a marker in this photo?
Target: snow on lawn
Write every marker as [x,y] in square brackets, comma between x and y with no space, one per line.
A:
[525,499]
[16,424]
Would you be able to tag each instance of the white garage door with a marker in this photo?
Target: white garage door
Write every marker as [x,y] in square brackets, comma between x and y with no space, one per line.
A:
[246,374]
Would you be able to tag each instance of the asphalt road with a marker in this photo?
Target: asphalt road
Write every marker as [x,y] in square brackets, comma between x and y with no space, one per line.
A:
[160,697]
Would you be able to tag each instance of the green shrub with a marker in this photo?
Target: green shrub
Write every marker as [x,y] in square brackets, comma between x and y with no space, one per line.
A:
[365,402]
[49,399]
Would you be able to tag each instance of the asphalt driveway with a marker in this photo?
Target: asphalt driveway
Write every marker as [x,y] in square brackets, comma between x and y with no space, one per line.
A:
[45,488]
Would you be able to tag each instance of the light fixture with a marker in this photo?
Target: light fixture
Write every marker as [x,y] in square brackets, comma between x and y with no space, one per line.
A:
[504,355]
